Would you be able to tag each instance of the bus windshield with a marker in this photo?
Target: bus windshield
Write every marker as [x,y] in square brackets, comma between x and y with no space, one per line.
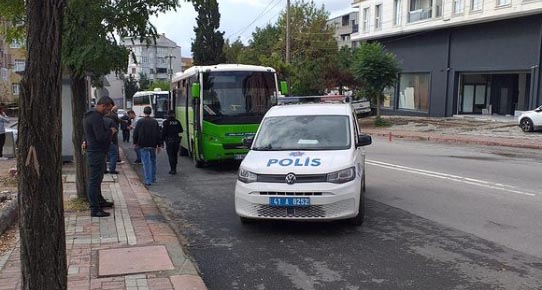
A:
[238,97]
[161,106]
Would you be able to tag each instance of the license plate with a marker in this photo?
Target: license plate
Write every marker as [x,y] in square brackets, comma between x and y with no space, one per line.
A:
[289,201]
[239,156]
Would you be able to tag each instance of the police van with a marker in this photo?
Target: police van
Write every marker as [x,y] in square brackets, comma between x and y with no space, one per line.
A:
[306,163]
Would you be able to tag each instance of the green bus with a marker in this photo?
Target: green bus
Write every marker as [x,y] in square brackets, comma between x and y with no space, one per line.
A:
[219,105]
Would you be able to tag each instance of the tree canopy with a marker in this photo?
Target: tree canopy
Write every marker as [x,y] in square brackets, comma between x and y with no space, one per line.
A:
[209,42]
[377,69]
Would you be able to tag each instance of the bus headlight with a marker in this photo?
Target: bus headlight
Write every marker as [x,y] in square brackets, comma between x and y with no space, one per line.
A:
[247,176]
[342,176]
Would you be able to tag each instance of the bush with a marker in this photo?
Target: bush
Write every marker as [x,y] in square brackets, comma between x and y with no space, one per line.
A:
[379,122]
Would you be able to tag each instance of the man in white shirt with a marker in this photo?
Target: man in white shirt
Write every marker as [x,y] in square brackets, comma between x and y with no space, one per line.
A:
[3,121]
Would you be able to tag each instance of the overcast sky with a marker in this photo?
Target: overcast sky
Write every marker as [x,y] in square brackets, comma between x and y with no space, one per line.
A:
[236,17]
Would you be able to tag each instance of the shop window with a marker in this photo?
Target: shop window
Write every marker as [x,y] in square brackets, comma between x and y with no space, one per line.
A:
[389,96]
[414,91]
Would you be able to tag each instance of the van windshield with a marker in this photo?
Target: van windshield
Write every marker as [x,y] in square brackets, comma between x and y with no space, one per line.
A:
[321,132]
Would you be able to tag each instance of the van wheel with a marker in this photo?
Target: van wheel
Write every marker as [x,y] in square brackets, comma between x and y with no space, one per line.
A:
[526,125]
[358,220]
[183,151]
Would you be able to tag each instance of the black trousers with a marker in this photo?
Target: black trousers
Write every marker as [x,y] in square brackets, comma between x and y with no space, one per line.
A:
[126,135]
[172,148]
[2,142]
[96,168]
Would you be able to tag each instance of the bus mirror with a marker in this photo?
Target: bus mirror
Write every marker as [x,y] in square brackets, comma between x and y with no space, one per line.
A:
[284,88]
[195,90]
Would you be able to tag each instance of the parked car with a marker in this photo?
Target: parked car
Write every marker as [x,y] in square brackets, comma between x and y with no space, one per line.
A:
[362,107]
[13,129]
[531,120]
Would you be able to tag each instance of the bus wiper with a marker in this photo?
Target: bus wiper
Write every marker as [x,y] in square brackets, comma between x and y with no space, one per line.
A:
[268,147]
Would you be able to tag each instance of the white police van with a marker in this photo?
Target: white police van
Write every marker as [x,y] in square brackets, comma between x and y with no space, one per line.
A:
[306,163]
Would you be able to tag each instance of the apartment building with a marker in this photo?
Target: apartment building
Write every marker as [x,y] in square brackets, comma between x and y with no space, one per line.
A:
[12,66]
[153,60]
[345,25]
[459,56]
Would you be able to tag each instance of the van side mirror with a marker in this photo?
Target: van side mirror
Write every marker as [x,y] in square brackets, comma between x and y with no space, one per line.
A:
[195,90]
[247,142]
[364,140]
[284,88]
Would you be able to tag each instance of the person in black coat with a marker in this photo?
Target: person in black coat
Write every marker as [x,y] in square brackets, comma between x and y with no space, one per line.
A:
[148,140]
[171,128]
[97,142]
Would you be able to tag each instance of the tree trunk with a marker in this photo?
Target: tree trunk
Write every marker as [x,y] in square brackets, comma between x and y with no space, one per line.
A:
[378,101]
[79,106]
[39,161]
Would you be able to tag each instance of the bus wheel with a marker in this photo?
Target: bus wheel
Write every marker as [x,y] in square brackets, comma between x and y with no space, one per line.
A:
[183,151]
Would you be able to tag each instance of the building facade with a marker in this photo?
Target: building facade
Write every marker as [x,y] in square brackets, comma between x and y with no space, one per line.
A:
[12,66]
[459,56]
[154,60]
[345,25]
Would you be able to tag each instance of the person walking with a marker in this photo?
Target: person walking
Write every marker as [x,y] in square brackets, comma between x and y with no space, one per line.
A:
[3,121]
[171,128]
[147,138]
[125,126]
[96,144]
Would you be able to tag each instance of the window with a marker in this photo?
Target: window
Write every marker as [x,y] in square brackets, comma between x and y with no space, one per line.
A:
[15,44]
[15,89]
[458,6]
[345,20]
[389,96]
[414,91]
[378,17]
[476,5]
[396,12]
[366,15]
[4,73]
[19,65]
[134,70]
[144,59]
[503,2]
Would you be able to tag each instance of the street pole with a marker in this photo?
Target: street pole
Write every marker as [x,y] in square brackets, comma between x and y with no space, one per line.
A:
[170,73]
[287,31]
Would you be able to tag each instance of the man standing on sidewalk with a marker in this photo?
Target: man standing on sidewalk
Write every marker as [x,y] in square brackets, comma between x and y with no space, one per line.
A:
[132,126]
[114,146]
[97,141]
[171,129]
[125,126]
[147,140]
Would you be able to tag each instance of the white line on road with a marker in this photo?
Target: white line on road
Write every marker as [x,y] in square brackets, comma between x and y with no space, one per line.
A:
[456,178]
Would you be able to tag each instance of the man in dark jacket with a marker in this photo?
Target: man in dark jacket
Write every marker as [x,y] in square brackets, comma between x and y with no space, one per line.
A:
[171,128]
[125,126]
[147,139]
[113,152]
[97,141]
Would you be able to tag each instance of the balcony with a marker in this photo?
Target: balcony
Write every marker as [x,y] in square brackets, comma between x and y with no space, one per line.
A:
[420,14]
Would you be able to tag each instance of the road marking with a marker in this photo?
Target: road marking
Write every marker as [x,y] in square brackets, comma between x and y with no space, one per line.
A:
[451,177]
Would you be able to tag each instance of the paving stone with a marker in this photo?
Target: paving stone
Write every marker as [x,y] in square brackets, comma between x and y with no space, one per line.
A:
[187,282]
[142,259]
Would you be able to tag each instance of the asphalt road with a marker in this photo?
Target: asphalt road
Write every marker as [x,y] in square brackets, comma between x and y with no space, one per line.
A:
[438,217]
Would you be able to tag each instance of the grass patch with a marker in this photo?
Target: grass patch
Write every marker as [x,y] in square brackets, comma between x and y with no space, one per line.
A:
[379,122]
[76,204]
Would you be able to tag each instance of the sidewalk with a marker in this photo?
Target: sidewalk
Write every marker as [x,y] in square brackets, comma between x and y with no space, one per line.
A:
[455,130]
[133,249]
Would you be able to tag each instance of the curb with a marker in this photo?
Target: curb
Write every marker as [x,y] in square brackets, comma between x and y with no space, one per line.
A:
[464,140]
[8,215]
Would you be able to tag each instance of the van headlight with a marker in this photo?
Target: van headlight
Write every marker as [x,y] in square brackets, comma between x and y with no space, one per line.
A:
[247,176]
[342,176]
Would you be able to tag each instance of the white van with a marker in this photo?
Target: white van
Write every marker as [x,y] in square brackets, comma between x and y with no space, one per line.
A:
[306,163]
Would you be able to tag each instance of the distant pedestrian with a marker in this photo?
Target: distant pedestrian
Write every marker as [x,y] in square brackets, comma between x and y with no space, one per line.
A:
[147,138]
[125,126]
[171,129]
[3,120]
[137,150]
[113,153]
[97,143]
